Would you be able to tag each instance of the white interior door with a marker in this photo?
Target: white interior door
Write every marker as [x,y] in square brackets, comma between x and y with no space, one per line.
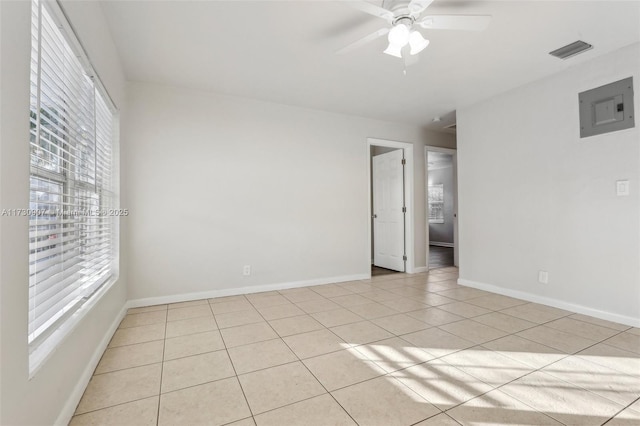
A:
[455,208]
[388,217]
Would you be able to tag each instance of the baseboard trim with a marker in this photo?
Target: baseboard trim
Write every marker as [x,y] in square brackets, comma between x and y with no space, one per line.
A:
[419,269]
[185,297]
[530,297]
[440,244]
[74,398]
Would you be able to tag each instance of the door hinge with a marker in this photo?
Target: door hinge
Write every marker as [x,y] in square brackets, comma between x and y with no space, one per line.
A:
[404,161]
[404,210]
[404,258]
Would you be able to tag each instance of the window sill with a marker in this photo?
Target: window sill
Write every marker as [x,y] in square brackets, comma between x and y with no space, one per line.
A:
[38,355]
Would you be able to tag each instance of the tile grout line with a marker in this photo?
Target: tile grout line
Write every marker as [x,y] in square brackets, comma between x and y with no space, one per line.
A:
[114,405]
[431,417]
[127,368]
[623,408]
[164,343]
[232,365]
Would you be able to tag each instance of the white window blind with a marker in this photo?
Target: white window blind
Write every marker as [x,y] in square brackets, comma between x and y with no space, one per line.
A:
[72,192]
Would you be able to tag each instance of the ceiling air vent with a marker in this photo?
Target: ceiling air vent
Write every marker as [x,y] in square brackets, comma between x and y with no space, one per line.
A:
[571,49]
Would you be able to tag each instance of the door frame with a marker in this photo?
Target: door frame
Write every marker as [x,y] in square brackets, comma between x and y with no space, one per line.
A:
[454,154]
[408,198]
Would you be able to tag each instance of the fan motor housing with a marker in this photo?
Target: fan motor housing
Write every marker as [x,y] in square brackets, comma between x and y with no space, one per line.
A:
[406,20]
[398,7]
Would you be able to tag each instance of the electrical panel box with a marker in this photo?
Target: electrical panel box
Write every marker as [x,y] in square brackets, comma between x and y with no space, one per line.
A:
[607,108]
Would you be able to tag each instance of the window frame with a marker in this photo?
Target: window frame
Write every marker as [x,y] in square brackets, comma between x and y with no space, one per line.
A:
[435,201]
[65,321]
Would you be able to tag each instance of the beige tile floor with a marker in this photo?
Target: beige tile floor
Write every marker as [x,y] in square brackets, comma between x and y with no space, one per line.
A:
[393,350]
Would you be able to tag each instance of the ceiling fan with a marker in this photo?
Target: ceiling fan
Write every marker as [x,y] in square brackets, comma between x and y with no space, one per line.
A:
[404,17]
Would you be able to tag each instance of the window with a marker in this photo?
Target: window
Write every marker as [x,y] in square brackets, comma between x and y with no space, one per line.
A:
[436,203]
[72,225]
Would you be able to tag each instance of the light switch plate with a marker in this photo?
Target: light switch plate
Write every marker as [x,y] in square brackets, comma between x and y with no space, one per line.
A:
[622,188]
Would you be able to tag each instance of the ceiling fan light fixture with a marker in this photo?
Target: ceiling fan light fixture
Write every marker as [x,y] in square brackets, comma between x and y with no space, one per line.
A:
[417,42]
[394,50]
[399,35]
[405,15]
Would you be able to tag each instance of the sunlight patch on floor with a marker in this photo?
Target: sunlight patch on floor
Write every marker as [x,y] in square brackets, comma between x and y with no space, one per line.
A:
[488,387]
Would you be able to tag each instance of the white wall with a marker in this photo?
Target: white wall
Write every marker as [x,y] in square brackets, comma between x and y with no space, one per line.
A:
[379,150]
[534,196]
[217,182]
[53,390]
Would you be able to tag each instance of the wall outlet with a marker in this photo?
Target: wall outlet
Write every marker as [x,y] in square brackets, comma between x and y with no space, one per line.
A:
[246,270]
[543,277]
[622,188]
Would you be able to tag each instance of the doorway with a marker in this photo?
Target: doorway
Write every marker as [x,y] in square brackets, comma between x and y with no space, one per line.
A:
[442,203]
[390,188]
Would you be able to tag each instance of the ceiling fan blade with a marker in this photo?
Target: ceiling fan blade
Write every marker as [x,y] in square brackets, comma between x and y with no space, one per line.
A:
[363,41]
[416,7]
[372,9]
[455,22]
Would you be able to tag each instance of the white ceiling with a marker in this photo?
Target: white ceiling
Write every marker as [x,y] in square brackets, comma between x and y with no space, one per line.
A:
[283,51]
